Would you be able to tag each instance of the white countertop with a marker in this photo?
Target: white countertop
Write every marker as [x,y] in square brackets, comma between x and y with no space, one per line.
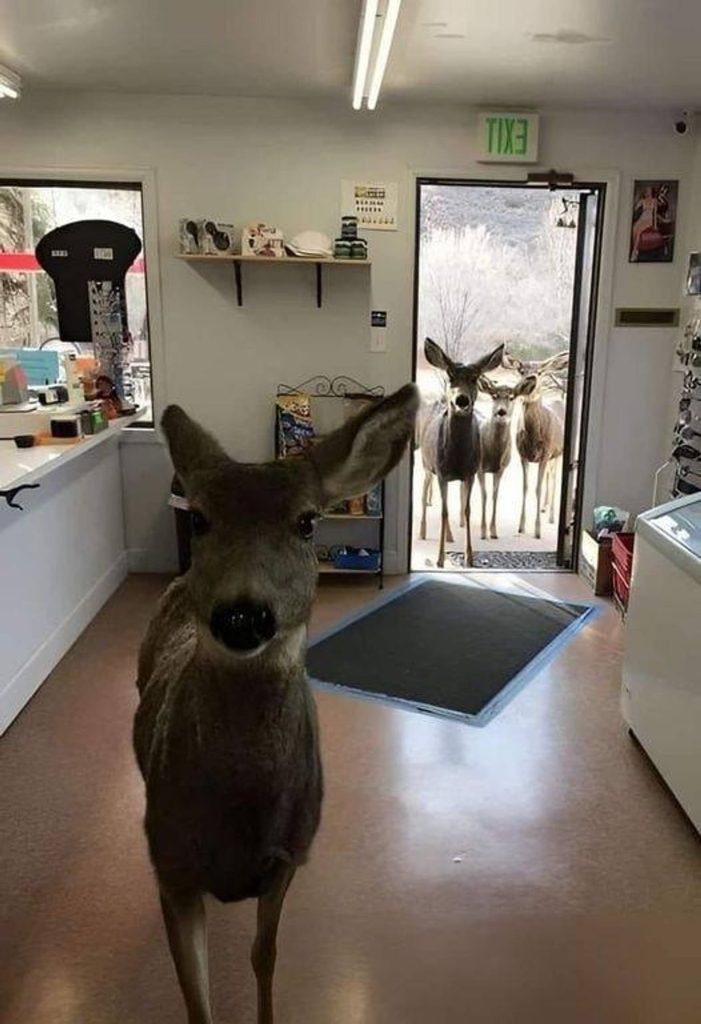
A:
[27,465]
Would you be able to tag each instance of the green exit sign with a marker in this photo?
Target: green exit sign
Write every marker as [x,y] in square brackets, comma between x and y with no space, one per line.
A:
[504,137]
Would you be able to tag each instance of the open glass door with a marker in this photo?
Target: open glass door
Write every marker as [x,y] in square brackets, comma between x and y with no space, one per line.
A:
[589,230]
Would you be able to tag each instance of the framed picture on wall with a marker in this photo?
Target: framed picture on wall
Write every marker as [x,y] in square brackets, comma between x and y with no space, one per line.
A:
[653,222]
[693,277]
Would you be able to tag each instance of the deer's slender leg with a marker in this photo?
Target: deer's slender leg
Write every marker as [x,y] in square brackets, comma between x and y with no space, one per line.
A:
[553,488]
[462,504]
[495,498]
[429,498]
[469,558]
[186,925]
[264,948]
[443,487]
[428,480]
[522,521]
[542,467]
[448,532]
[483,489]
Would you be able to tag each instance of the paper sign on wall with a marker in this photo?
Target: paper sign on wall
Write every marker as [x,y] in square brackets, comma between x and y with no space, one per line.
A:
[373,203]
[507,137]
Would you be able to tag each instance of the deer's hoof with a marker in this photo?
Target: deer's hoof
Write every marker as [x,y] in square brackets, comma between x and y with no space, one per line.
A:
[494,535]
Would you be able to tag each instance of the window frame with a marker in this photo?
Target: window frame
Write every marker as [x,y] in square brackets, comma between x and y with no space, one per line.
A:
[143,178]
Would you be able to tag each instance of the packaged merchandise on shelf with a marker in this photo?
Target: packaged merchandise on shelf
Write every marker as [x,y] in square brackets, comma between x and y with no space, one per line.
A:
[373,501]
[216,239]
[349,227]
[262,240]
[356,506]
[294,427]
[359,249]
[342,249]
[189,235]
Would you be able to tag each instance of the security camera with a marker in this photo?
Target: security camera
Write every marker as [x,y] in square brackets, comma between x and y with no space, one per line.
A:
[683,124]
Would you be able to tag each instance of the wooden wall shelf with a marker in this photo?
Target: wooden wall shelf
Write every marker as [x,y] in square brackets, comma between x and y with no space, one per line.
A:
[239,259]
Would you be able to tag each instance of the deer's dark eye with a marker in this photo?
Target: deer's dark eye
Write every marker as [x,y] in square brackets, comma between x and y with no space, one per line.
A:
[305,525]
[198,522]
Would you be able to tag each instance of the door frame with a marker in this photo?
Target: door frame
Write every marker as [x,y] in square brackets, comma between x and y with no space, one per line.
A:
[606,185]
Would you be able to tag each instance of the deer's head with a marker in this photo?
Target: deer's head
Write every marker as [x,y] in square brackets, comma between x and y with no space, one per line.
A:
[253,572]
[503,399]
[463,378]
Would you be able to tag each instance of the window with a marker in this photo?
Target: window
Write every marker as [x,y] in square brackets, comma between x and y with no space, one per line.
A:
[28,210]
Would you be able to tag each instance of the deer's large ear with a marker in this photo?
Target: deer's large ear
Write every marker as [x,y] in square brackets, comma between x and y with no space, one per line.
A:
[526,386]
[490,361]
[437,357]
[191,448]
[486,385]
[558,363]
[355,457]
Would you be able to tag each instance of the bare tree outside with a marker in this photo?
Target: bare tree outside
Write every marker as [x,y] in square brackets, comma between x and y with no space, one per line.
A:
[496,266]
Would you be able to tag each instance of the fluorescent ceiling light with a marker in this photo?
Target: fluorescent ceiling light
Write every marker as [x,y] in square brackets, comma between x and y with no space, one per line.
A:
[386,39]
[10,84]
[362,57]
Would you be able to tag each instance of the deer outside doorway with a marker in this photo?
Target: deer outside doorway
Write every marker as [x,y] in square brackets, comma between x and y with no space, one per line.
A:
[505,292]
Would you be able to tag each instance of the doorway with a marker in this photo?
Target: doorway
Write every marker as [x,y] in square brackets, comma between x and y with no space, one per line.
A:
[513,265]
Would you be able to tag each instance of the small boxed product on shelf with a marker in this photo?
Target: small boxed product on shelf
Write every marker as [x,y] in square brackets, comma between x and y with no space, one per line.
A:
[216,239]
[373,501]
[262,240]
[189,236]
[294,427]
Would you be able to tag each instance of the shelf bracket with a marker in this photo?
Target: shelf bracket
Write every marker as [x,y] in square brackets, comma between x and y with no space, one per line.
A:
[318,285]
[239,284]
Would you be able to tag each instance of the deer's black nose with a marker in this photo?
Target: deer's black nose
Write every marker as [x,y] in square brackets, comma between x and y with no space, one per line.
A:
[462,402]
[242,626]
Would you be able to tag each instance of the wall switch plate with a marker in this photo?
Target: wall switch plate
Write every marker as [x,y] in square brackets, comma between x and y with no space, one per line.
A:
[378,333]
[378,341]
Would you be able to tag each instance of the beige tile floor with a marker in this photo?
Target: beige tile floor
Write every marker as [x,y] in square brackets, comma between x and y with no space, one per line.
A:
[532,871]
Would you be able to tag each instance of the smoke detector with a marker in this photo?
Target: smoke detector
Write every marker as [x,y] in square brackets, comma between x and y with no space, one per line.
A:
[10,84]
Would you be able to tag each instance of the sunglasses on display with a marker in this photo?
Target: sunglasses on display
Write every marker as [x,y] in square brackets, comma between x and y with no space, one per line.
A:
[686,432]
[691,381]
[685,404]
[690,475]
[691,359]
[684,487]
[686,451]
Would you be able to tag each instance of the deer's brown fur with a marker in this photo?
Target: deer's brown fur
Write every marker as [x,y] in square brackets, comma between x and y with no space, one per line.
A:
[227,740]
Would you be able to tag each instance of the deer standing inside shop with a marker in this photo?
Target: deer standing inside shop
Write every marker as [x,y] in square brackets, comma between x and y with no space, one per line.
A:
[495,445]
[540,435]
[226,730]
[450,439]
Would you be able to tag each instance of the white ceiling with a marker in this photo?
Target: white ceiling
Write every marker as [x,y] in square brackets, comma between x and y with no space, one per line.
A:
[629,53]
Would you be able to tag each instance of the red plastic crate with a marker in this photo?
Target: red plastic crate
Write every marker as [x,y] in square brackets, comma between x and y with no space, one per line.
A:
[622,554]
[621,587]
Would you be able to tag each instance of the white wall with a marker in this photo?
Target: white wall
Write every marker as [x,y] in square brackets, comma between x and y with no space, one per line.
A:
[283,162]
